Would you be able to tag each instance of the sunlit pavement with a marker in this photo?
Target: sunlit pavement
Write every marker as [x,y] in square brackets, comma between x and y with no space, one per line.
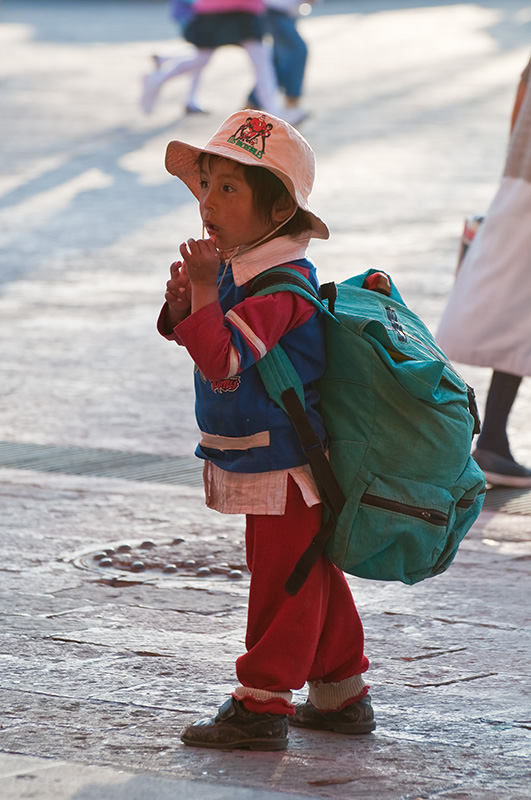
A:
[409,114]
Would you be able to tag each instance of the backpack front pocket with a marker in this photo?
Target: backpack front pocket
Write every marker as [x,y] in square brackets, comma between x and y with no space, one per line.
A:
[393,528]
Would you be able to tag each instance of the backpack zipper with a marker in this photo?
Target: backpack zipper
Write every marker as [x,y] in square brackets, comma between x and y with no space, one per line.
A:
[468,502]
[431,515]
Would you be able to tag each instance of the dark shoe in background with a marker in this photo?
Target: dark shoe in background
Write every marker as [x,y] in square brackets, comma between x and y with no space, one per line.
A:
[501,471]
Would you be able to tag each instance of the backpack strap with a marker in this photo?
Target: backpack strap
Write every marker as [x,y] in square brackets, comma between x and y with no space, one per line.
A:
[285,388]
[330,491]
[287,279]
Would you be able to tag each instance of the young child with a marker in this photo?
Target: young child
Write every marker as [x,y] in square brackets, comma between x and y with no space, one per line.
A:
[252,180]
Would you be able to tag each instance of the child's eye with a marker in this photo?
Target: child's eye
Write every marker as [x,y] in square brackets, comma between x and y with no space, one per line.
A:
[228,188]
[203,183]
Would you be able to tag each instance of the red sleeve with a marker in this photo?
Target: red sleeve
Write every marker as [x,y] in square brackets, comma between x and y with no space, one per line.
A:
[163,327]
[222,346]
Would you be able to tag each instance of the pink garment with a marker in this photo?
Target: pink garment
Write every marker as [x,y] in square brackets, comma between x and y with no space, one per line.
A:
[258,492]
[226,6]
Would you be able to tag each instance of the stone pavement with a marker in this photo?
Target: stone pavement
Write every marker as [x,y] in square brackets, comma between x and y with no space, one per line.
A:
[102,666]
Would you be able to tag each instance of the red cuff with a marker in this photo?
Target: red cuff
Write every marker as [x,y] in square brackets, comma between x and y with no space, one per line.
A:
[163,328]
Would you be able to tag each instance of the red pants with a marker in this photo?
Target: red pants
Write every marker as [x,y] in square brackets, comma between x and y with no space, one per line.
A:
[316,635]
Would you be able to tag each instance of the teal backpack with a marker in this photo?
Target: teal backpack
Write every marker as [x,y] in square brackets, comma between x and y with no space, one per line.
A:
[400,487]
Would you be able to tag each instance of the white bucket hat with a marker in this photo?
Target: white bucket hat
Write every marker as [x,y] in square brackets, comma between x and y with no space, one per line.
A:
[260,140]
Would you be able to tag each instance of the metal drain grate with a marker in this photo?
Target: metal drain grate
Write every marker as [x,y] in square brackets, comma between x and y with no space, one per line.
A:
[102,463]
[510,501]
[165,469]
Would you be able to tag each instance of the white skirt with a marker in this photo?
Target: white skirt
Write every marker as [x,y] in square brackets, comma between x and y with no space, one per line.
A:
[487,321]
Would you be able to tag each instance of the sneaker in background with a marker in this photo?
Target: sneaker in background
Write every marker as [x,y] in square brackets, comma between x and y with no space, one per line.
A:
[151,84]
[501,471]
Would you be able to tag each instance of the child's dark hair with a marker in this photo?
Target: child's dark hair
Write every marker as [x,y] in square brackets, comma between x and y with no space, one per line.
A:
[267,189]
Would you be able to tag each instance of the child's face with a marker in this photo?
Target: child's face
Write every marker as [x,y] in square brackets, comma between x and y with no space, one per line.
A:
[226,206]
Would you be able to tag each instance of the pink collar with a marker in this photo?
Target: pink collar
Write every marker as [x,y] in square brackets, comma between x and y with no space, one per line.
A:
[271,254]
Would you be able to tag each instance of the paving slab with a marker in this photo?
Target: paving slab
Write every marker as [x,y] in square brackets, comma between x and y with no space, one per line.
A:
[102,666]
[26,778]
[106,672]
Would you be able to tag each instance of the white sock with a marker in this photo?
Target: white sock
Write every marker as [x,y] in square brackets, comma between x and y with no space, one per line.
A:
[177,66]
[191,98]
[266,88]
[330,696]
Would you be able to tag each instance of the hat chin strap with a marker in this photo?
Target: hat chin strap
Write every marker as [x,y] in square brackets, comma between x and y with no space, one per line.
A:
[228,255]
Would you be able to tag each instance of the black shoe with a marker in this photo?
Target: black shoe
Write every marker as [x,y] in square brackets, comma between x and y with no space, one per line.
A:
[355,718]
[192,108]
[234,727]
[501,471]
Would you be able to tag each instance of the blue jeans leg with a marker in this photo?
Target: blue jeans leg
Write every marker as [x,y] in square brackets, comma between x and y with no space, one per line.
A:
[289,52]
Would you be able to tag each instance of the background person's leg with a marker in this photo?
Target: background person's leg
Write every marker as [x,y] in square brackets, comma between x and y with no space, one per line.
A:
[493,452]
[171,68]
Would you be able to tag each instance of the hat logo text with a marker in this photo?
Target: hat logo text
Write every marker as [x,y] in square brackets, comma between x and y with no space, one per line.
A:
[251,134]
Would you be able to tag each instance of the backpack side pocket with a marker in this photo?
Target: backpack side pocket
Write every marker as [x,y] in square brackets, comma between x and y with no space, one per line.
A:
[394,529]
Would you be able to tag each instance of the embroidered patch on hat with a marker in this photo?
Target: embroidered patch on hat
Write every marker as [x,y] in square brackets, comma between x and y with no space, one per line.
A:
[251,134]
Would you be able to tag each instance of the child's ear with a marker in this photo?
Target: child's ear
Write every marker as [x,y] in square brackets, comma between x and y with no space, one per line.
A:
[283,209]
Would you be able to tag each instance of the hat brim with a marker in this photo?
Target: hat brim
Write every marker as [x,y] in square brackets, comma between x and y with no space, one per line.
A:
[182,161]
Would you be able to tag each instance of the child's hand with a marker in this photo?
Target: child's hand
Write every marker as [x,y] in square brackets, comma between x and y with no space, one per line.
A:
[178,294]
[201,260]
